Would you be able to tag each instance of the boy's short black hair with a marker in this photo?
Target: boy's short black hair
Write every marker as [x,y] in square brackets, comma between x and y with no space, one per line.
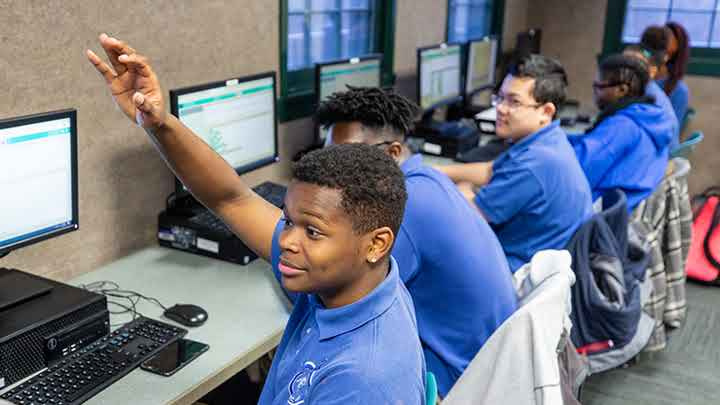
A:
[654,57]
[373,107]
[550,78]
[370,182]
[627,70]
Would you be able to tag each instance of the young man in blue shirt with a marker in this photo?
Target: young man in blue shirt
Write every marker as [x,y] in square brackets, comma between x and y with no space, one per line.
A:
[654,60]
[352,335]
[449,258]
[627,147]
[534,195]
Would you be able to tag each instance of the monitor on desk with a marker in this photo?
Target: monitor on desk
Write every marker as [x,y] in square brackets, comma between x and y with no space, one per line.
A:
[438,72]
[235,117]
[334,77]
[482,56]
[38,178]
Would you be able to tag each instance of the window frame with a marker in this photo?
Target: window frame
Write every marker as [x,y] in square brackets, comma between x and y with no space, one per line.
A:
[497,15]
[703,61]
[297,88]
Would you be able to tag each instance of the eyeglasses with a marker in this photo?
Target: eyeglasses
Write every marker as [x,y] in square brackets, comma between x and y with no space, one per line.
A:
[383,143]
[498,99]
[601,85]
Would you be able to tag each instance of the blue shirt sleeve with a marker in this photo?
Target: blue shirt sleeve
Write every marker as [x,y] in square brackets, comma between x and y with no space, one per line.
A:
[598,150]
[512,188]
[679,99]
[348,385]
[275,259]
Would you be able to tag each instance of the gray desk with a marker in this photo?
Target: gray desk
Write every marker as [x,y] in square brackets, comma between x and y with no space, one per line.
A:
[247,313]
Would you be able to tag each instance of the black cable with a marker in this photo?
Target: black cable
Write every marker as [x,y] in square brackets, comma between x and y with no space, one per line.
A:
[111,289]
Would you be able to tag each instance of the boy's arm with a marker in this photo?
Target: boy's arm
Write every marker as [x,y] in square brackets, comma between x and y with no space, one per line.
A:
[136,90]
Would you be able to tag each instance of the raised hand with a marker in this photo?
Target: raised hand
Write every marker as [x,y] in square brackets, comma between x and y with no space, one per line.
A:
[132,82]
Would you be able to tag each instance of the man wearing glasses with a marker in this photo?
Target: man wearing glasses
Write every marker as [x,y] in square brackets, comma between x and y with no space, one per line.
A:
[534,195]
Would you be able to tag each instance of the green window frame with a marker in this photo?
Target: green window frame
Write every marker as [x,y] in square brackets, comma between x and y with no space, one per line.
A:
[496,20]
[704,61]
[297,88]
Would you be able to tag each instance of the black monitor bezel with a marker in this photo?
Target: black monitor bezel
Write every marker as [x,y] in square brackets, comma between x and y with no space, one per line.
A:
[175,93]
[320,66]
[448,101]
[70,113]
[472,92]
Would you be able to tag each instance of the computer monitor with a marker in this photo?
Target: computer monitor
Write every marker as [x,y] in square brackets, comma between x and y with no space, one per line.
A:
[235,117]
[333,77]
[528,42]
[438,75]
[482,56]
[38,178]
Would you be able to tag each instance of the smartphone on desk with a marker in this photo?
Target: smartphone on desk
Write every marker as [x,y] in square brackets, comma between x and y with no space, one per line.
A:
[174,357]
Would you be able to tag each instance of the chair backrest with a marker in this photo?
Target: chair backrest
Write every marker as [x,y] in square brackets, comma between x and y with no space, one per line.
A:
[688,145]
[430,389]
[689,115]
[518,364]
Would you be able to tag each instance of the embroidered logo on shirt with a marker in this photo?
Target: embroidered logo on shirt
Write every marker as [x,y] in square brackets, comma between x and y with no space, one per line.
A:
[300,384]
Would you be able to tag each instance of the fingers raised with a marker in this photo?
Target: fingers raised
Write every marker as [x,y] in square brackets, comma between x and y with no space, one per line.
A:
[113,49]
[101,66]
[136,62]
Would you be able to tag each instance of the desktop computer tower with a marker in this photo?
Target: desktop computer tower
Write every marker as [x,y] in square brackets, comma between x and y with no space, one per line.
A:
[40,329]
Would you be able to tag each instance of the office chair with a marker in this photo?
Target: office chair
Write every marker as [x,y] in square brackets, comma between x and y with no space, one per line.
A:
[687,146]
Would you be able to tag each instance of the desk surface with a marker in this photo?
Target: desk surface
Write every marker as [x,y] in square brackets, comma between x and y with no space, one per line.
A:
[247,313]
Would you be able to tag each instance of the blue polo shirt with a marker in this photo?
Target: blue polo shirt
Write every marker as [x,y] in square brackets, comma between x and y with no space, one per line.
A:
[679,98]
[661,100]
[366,352]
[537,196]
[455,270]
[627,150]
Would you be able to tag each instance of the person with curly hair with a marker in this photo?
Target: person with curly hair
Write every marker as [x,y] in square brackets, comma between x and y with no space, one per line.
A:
[449,258]
[352,335]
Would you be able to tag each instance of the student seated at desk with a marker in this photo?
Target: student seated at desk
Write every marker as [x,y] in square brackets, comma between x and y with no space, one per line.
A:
[449,258]
[627,147]
[654,60]
[534,195]
[352,335]
[674,40]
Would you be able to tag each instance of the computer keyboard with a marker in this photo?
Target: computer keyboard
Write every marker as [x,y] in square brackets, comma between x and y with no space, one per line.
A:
[82,375]
[272,193]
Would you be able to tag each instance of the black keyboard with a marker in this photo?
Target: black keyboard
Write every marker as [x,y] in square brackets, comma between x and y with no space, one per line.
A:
[80,376]
[271,192]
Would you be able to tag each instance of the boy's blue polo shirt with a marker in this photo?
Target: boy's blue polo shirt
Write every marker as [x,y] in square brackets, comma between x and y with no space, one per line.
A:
[455,270]
[367,352]
[538,195]
[662,101]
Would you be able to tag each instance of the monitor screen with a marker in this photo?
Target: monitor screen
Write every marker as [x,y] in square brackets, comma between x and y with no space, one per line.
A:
[38,178]
[481,65]
[235,117]
[333,77]
[438,75]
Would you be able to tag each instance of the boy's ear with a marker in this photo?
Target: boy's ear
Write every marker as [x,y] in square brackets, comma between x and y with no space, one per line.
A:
[380,242]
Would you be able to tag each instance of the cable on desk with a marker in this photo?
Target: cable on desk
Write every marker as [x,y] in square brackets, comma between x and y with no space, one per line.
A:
[127,300]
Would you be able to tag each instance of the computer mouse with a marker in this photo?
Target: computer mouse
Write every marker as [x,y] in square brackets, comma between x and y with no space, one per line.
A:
[187,314]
